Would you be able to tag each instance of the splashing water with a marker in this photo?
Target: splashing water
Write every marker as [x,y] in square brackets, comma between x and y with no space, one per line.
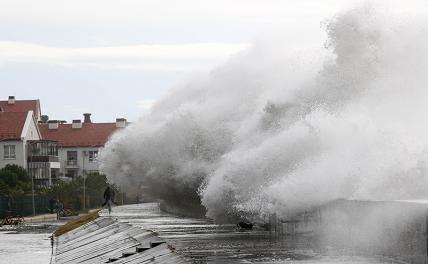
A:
[270,132]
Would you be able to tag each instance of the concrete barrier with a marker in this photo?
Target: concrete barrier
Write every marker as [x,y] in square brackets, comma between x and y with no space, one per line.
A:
[389,229]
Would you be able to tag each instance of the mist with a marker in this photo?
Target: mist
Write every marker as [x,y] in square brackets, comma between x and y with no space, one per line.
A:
[283,127]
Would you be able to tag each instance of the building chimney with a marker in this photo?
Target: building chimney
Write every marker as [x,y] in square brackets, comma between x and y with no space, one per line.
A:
[53,124]
[87,118]
[120,122]
[77,123]
[11,100]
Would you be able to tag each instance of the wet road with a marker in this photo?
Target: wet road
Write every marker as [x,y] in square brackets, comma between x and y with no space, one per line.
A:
[24,248]
[27,243]
[202,241]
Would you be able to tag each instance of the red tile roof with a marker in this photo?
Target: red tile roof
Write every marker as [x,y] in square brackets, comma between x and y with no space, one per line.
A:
[21,106]
[90,135]
[11,124]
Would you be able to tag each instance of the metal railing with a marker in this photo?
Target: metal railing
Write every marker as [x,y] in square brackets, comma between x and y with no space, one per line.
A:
[71,163]
[43,159]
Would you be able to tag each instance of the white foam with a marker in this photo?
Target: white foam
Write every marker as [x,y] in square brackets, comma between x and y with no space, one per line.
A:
[278,131]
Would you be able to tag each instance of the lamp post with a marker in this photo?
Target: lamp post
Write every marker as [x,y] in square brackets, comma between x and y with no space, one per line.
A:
[84,180]
[32,178]
[32,189]
[84,190]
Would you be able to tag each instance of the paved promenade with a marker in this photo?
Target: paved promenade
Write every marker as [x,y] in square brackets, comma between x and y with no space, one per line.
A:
[118,237]
[29,242]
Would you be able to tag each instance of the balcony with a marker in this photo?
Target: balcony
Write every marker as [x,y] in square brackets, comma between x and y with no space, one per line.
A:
[42,148]
[71,164]
[47,158]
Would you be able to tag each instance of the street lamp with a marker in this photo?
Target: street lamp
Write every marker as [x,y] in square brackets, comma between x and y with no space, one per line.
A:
[32,180]
[84,179]
[32,152]
[84,190]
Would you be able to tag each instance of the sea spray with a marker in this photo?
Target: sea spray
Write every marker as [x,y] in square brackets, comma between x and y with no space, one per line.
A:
[280,131]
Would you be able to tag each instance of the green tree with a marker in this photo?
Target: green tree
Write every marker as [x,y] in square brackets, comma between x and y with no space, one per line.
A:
[71,193]
[68,193]
[14,180]
[95,185]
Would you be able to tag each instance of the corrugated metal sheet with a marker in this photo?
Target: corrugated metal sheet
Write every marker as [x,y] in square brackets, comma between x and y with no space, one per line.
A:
[106,240]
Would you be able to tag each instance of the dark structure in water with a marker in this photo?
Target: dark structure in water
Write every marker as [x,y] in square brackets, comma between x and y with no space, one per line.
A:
[245,225]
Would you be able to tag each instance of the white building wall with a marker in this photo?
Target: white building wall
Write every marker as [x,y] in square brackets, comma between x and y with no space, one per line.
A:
[32,132]
[83,163]
[19,152]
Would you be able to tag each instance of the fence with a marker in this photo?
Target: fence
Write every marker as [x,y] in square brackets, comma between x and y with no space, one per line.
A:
[23,205]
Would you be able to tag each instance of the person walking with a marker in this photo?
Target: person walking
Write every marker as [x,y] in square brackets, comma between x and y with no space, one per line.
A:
[59,208]
[109,195]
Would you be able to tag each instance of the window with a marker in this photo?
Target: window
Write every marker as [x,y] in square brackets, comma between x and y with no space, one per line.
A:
[72,173]
[9,152]
[93,155]
[71,155]
[71,158]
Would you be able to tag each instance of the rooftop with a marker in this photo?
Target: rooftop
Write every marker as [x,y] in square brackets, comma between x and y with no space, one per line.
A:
[11,125]
[89,135]
[21,106]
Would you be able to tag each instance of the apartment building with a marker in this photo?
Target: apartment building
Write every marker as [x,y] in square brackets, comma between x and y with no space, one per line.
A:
[79,143]
[50,150]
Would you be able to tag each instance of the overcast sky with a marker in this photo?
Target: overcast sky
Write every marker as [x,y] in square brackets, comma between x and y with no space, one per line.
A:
[113,58]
